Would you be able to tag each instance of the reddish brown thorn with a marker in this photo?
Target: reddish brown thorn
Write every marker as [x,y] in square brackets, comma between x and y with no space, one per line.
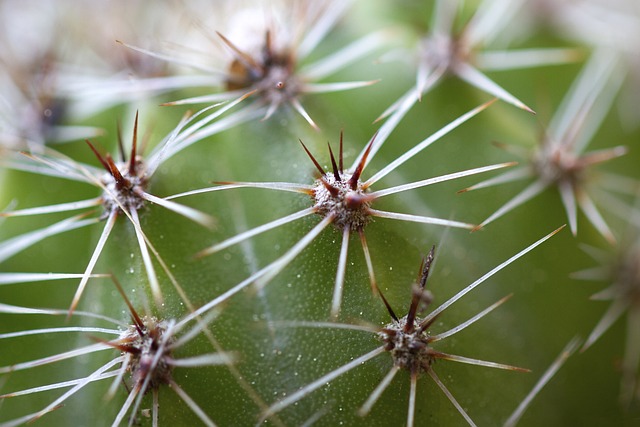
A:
[353,181]
[387,305]
[240,55]
[336,172]
[428,261]
[267,42]
[120,142]
[355,200]
[99,156]
[331,189]
[425,298]
[134,314]
[154,333]
[425,267]
[121,182]
[118,345]
[134,148]
[313,159]
[341,156]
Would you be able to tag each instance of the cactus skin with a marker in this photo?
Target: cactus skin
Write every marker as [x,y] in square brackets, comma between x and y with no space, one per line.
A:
[272,360]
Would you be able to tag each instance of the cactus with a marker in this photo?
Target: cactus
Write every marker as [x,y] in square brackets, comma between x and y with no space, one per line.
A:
[179,245]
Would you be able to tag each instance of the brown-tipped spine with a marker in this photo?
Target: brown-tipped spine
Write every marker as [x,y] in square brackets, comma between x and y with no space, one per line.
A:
[334,165]
[425,267]
[313,159]
[353,181]
[134,148]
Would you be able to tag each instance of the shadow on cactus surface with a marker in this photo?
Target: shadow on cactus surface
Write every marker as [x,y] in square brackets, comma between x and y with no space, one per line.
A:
[190,98]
